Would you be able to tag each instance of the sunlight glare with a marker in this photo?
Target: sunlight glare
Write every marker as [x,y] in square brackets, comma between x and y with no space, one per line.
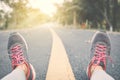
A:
[46,6]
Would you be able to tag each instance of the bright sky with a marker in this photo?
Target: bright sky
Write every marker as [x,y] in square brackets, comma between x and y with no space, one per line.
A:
[46,6]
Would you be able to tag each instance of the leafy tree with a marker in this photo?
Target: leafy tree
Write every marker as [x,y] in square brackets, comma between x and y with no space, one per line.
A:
[82,10]
[115,9]
[4,13]
[19,11]
[97,12]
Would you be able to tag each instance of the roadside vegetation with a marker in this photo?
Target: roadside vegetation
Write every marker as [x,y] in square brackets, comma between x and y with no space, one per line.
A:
[18,14]
[83,14]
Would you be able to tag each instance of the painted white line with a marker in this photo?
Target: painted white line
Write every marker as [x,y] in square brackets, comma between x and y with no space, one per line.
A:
[59,67]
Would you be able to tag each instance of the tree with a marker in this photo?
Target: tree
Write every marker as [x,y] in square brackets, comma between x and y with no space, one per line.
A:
[5,11]
[18,13]
[74,8]
[63,15]
[115,8]
[82,10]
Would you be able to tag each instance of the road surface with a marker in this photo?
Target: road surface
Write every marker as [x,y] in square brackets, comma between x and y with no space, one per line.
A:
[72,56]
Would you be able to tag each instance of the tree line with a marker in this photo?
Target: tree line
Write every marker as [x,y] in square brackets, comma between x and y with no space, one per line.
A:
[19,13]
[103,14]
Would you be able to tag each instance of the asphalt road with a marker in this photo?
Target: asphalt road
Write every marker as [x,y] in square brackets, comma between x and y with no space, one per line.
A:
[76,43]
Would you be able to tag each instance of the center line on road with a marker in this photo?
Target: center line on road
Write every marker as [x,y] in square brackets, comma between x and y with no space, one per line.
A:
[59,67]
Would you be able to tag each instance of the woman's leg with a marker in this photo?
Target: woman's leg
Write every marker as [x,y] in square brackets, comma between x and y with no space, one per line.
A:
[16,74]
[100,74]
[17,50]
[100,53]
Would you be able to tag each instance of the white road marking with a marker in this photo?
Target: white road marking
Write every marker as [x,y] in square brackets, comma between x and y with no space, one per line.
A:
[59,67]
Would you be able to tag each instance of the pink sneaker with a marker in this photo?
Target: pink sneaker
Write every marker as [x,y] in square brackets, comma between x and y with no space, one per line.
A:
[100,51]
[17,50]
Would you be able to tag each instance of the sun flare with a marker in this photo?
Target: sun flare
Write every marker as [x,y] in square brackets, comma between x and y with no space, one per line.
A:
[46,6]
